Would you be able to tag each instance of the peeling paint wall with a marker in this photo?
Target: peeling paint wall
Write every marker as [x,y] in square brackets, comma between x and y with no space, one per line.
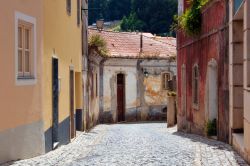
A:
[211,45]
[144,97]
[93,86]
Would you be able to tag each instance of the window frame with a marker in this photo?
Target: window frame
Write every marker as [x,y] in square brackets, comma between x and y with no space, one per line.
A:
[195,92]
[68,7]
[78,13]
[28,78]
[165,85]
[25,26]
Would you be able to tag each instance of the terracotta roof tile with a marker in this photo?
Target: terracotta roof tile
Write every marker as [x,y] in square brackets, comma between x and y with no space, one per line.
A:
[127,45]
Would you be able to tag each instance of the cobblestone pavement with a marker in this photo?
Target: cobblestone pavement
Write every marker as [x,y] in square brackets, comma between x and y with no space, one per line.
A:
[149,144]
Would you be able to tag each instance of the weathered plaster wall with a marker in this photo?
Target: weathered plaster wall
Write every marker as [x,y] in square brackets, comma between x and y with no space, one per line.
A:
[212,44]
[94,90]
[111,68]
[144,97]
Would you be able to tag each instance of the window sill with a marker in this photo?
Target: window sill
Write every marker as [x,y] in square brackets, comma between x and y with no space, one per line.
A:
[23,81]
[25,78]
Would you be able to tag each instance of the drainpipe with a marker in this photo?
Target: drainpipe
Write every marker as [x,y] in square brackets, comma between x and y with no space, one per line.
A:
[141,43]
[101,66]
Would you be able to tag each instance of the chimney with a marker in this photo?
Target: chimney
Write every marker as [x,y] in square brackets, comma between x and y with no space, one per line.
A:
[141,43]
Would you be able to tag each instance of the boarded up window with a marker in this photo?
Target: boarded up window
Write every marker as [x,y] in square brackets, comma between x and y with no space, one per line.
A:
[166,81]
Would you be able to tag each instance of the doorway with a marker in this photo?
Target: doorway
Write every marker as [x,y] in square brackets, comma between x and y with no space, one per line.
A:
[121,97]
[55,96]
[72,103]
[212,91]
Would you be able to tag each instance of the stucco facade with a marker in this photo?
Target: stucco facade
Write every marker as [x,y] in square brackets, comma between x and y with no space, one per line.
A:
[239,45]
[21,125]
[203,91]
[130,82]
[145,99]
[62,71]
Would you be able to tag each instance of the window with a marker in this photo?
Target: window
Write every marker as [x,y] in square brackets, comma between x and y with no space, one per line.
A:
[25,49]
[78,12]
[68,6]
[165,81]
[195,85]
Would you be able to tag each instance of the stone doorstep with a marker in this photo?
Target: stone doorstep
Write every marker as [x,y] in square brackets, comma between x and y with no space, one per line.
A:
[238,144]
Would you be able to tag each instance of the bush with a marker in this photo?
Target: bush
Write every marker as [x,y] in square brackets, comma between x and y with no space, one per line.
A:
[190,21]
[211,128]
[99,44]
[172,93]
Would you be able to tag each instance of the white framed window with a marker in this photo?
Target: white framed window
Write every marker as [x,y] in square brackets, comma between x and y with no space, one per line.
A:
[195,86]
[25,49]
[166,77]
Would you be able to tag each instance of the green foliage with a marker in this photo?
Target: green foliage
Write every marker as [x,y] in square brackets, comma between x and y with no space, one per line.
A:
[97,43]
[110,10]
[153,16]
[172,93]
[191,20]
[211,128]
[132,23]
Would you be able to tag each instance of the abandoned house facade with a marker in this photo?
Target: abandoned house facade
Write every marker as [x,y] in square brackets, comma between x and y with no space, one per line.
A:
[131,82]
[203,91]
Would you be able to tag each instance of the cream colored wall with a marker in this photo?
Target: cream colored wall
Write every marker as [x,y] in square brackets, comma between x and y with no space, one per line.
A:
[246,52]
[240,55]
[20,105]
[62,39]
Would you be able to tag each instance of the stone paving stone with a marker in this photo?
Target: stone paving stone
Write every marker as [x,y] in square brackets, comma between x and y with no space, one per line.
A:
[149,144]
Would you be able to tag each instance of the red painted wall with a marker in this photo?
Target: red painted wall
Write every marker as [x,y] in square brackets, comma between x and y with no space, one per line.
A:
[212,43]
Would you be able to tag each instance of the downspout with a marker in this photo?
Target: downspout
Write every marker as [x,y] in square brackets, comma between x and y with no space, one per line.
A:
[101,87]
[85,63]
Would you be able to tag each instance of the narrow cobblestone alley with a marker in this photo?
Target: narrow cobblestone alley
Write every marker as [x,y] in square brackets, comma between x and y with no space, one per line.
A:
[139,144]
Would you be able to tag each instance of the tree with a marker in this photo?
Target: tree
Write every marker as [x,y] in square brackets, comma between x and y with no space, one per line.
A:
[155,16]
[132,23]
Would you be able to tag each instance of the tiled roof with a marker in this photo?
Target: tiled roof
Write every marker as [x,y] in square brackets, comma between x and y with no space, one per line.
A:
[127,45]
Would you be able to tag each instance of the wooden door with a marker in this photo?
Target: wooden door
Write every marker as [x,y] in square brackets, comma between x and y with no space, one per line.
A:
[72,101]
[121,97]
[55,96]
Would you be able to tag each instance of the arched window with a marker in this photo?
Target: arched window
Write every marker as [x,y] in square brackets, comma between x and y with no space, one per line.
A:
[195,85]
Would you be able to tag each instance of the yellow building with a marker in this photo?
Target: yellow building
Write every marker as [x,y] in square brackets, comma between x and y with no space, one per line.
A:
[41,56]
[21,125]
[62,65]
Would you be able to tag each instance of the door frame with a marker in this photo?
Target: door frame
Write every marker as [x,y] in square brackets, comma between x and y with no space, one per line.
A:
[212,92]
[72,102]
[55,103]
[124,96]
